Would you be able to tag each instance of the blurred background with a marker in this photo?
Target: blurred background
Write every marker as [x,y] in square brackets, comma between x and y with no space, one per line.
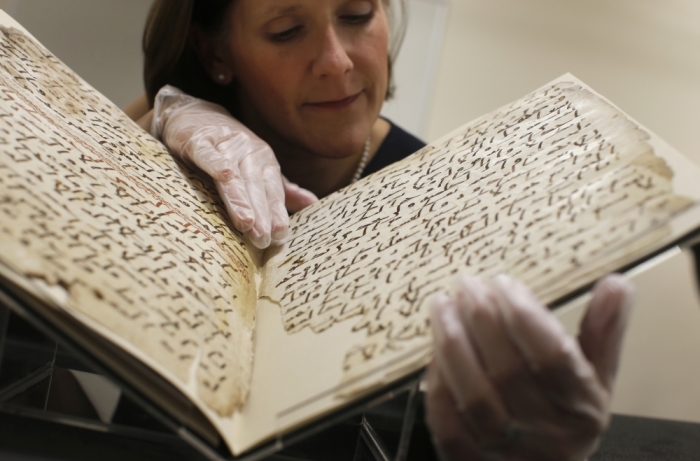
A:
[461,58]
[464,58]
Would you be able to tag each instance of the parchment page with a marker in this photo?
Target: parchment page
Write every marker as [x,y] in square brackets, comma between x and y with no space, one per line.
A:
[557,189]
[93,206]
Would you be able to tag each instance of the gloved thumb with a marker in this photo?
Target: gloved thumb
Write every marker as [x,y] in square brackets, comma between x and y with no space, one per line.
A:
[295,197]
[603,327]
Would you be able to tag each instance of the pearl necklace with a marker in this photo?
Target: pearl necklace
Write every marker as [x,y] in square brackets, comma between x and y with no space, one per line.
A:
[363,163]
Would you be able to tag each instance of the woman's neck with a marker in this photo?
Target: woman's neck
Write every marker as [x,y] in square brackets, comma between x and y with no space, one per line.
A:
[321,175]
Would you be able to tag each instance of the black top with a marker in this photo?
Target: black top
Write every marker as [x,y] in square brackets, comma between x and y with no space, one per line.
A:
[397,145]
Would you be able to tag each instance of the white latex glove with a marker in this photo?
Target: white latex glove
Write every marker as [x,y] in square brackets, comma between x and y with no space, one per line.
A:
[244,168]
[508,383]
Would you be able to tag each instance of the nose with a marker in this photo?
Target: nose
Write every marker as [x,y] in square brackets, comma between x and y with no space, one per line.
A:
[332,59]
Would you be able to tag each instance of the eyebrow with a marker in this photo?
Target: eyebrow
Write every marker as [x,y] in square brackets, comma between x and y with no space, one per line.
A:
[277,10]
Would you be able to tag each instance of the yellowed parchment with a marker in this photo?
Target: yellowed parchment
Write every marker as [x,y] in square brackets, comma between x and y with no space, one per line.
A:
[91,203]
[546,189]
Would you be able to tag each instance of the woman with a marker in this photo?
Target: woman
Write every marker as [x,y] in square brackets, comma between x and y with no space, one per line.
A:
[306,80]
[318,115]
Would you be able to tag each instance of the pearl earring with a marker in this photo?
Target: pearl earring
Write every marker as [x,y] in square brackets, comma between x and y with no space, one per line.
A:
[221,77]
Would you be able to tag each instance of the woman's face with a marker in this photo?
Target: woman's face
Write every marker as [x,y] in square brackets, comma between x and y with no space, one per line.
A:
[310,74]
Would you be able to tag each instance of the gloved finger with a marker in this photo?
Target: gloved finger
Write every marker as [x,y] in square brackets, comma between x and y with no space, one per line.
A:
[295,197]
[203,153]
[235,199]
[260,232]
[478,308]
[536,333]
[279,219]
[603,327]
[558,365]
[478,403]
[445,425]
[504,364]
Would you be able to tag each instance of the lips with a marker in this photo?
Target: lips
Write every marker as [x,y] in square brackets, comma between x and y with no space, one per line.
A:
[335,103]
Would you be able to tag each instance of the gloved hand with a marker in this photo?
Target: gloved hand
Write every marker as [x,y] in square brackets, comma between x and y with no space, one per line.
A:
[508,383]
[244,168]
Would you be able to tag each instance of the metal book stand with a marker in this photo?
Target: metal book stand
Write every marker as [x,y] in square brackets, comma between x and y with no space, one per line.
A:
[374,442]
[33,364]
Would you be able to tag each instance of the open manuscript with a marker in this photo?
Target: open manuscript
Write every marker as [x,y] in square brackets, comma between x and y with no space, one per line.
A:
[131,254]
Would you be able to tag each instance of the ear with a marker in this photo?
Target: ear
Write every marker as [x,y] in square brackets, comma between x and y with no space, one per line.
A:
[212,57]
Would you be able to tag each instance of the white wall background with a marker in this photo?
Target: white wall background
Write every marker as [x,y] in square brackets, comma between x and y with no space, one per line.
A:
[644,55]
[417,66]
[98,39]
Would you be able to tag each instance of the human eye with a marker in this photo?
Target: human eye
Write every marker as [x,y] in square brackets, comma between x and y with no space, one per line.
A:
[357,18]
[286,34]
[357,12]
